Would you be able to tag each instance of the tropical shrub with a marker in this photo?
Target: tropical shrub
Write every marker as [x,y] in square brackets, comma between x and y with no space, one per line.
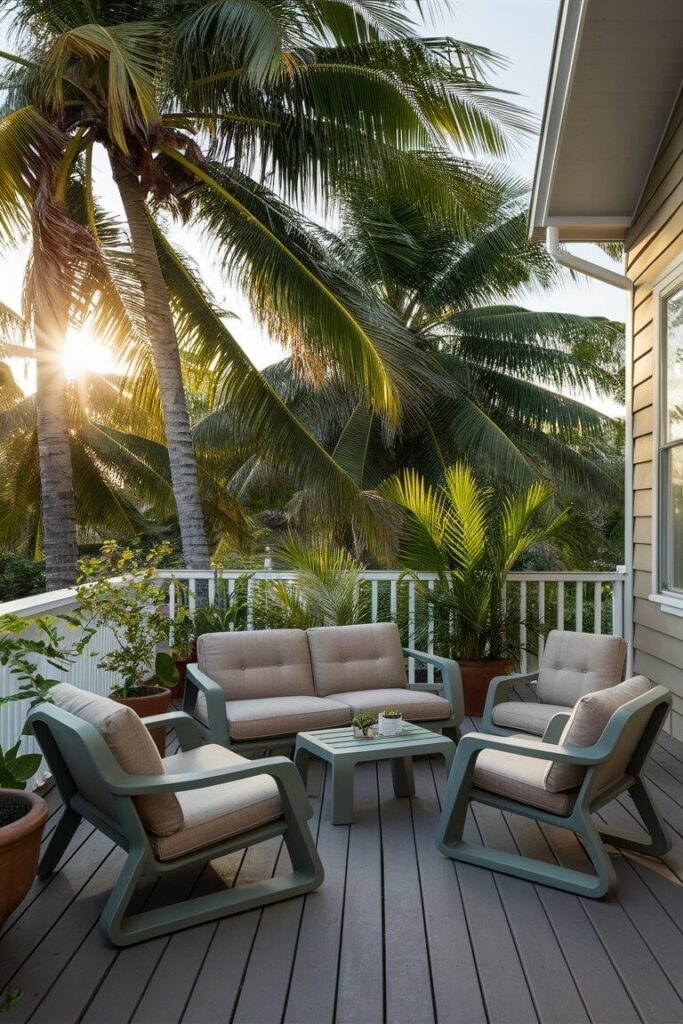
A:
[472,537]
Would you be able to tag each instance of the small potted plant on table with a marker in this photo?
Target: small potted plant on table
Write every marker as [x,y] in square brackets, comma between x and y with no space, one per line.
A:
[390,722]
[364,726]
[118,590]
[25,646]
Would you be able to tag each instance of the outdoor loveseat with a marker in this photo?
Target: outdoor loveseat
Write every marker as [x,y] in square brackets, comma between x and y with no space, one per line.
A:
[255,690]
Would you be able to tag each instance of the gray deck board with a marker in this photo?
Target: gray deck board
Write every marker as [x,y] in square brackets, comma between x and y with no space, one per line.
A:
[397,934]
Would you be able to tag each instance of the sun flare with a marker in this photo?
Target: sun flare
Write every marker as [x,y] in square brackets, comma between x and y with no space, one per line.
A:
[84,353]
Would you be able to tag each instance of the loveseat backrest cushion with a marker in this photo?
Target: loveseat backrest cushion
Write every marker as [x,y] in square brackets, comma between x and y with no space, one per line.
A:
[365,657]
[585,727]
[574,664]
[259,663]
[132,746]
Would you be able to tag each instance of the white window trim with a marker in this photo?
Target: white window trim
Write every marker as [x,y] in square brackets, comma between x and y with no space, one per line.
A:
[670,281]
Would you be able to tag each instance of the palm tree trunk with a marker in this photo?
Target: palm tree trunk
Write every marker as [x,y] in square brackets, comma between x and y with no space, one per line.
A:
[54,453]
[164,344]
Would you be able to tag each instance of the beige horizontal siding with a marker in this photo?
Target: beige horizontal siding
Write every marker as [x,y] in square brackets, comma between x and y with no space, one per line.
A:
[654,241]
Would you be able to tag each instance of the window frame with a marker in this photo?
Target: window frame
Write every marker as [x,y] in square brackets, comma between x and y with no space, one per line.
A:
[670,600]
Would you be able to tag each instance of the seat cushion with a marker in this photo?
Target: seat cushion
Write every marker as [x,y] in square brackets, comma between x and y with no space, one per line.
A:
[416,705]
[520,778]
[257,663]
[132,746]
[585,726]
[279,716]
[349,658]
[574,664]
[525,715]
[215,813]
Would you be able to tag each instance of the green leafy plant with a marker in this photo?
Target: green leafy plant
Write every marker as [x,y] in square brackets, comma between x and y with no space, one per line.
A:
[10,999]
[472,537]
[119,589]
[326,592]
[28,648]
[392,713]
[365,722]
[229,610]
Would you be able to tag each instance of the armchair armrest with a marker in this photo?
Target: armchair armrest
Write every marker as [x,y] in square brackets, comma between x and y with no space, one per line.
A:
[281,769]
[499,690]
[186,729]
[450,676]
[197,682]
[473,742]
[555,727]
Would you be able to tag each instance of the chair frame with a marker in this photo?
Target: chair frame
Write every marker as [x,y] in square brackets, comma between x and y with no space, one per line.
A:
[218,729]
[460,792]
[65,738]
[498,692]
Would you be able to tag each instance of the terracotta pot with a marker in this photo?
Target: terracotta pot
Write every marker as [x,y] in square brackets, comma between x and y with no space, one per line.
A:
[476,676]
[178,690]
[155,703]
[19,849]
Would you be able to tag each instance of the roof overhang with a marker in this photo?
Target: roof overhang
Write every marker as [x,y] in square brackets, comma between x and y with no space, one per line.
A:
[615,76]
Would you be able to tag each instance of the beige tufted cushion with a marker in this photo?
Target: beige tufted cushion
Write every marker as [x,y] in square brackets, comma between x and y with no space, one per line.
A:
[585,726]
[574,664]
[526,715]
[278,716]
[259,663]
[366,657]
[415,705]
[215,813]
[132,746]
[520,778]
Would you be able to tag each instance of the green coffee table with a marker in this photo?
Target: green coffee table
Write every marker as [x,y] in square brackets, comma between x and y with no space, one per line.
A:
[342,751]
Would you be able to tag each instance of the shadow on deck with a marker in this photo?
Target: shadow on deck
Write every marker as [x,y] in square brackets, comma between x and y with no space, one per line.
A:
[397,933]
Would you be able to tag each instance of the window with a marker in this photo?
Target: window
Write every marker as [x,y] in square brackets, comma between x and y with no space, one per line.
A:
[671,444]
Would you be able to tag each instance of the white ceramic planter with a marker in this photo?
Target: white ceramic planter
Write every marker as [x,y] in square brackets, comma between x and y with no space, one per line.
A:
[390,726]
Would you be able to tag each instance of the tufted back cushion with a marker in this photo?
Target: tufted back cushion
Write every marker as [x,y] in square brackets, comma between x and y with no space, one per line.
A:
[258,663]
[574,664]
[366,657]
[132,746]
[585,727]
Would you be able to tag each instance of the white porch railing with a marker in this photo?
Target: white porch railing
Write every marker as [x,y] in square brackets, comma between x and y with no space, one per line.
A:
[587,602]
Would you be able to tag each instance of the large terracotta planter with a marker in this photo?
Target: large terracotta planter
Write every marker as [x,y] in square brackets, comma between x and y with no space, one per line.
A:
[19,849]
[476,676]
[178,690]
[155,702]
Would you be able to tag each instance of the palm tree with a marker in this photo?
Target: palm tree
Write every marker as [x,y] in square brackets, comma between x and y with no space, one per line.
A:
[472,536]
[304,90]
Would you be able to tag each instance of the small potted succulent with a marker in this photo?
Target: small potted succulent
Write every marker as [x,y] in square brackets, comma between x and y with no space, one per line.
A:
[364,726]
[119,590]
[390,722]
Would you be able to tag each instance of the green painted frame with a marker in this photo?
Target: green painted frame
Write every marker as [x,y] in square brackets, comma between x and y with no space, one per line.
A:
[218,729]
[653,707]
[498,692]
[104,796]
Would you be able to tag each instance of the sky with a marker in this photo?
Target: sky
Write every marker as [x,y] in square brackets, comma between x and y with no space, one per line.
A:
[521,30]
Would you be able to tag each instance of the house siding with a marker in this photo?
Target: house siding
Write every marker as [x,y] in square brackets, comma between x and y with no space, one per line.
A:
[653,244]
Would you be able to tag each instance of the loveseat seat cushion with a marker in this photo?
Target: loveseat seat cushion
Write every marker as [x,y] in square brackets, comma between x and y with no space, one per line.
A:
[415,705]
[132,746]
[350,658]
[526,715]
[258,663]
[278,716]
[215,813]
[574,664]
[521,778]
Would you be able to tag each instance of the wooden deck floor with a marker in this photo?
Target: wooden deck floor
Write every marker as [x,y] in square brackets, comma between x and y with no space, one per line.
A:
[397,933]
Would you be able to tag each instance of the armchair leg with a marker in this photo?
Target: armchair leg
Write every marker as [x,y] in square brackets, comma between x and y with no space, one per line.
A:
[61,837]
[452,732]
[659,839]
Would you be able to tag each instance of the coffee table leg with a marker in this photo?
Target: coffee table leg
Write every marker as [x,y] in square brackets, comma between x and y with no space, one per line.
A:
[403,776]
[301,758]
[342,793]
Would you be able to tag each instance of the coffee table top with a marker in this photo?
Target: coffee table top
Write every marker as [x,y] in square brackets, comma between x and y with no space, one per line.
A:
[330,743]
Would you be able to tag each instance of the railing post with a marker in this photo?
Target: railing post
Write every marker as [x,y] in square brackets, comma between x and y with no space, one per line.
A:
[618,624]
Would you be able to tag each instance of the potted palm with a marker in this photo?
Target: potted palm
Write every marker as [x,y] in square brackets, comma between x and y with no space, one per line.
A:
[472,536]
[26,647]
[119,590]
